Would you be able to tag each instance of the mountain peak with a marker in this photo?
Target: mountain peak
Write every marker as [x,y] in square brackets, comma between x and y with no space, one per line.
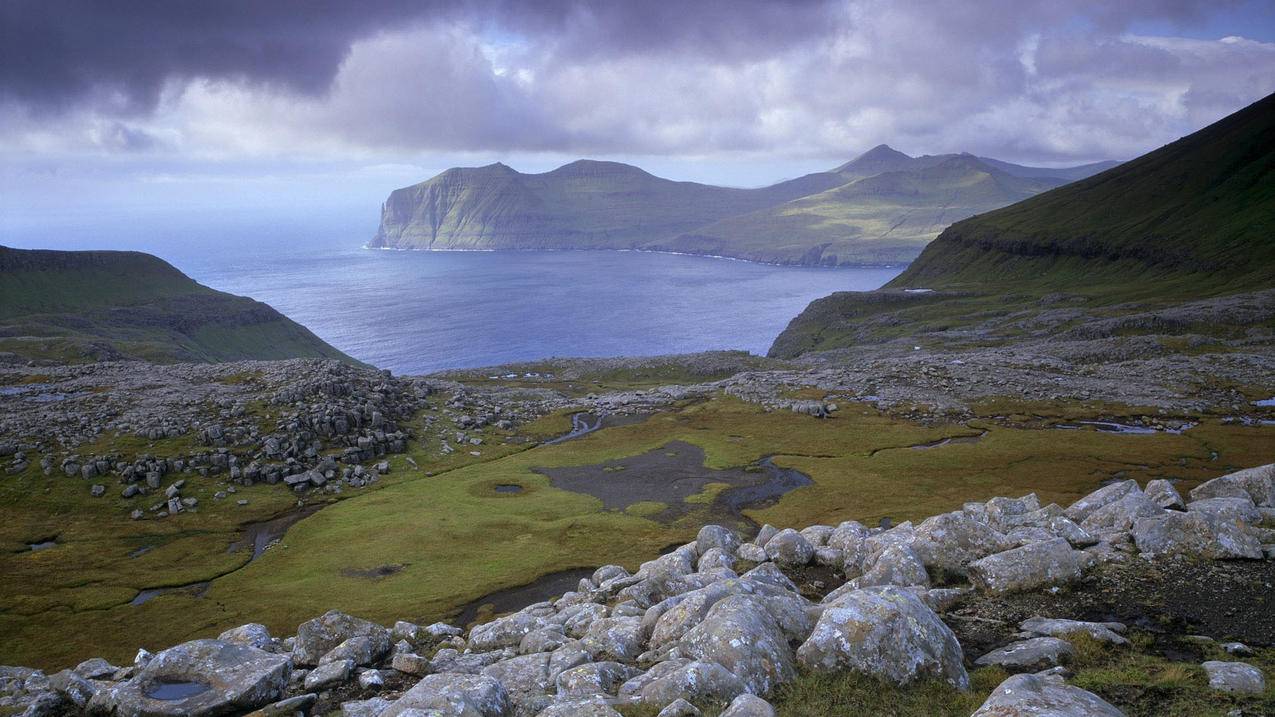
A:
[881,158]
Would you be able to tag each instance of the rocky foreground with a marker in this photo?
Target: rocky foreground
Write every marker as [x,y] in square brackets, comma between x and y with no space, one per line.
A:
[719,622]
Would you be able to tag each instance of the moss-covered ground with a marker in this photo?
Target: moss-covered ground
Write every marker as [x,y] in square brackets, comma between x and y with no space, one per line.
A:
[459,539]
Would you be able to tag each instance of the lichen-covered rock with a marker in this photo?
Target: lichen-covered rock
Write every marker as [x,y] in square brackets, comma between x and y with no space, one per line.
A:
[1101,631]
[748,706]
[594,678]
[1043,696]
[317,637]
[1121,514]
[1081,509]
[1195,533]
[885,632]
[740,634]
[234,678]
[1162,493]
[716,536]
[694,681]
[1052,562]
[253,635]
[506,631]
[1256,484]
[1233,507]
[1239,678]
[594,706]
[617,638]
[896,565]
[951,540]
[789,547]
[1031,655]
[452,694]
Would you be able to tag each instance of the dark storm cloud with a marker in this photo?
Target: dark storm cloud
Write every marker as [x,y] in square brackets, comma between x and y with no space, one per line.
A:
[120,53]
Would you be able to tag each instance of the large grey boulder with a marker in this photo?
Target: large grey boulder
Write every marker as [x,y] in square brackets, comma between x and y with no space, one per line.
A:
[740,634]
[253,635]
[220,677]
[1006,513]
[1197,534]
[617,638]
[895,565]
[1043,696]
[594,678]
[1032,655]
[507,631]
[716,536]
[789,547]
[317,637]
[1256,484]
[594,706]
[951,540]
[1238,678]
[453,695]
[1121,514]
[886,632]
[1082,508]
[693,681]
[1233,508]
[1052,562]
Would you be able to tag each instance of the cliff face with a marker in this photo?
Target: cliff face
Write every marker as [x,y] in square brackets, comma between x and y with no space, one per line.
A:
[74,306]
[607,205]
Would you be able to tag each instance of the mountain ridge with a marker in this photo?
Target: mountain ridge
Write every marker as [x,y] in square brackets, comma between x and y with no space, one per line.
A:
[596,204]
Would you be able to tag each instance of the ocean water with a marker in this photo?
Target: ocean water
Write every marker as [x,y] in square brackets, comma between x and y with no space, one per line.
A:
[417,312]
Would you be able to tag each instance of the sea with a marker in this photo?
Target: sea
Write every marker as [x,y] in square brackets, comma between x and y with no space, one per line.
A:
[418,312]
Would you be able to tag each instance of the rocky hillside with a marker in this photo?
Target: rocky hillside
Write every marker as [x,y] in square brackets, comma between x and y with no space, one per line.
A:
[994,603]
[1164,244]
[72,306]
[607,205]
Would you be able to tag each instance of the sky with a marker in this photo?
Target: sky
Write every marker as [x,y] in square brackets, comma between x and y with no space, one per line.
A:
[317,107]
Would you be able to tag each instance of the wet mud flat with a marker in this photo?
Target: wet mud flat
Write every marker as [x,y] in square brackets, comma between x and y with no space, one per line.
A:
[516,598]
[672,473]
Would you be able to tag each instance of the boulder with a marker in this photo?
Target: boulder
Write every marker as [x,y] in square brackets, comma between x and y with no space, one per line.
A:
[789,547]
[618,638]
[1052,562]
[1082,508]
[585,707]
[951,540]
[1162,493]
[1101,631]
[716,536]
[1233,508]
[453,694]
[1256,484]
[594,678]
[740,634]
[1043,696]
[1121,514]
[694,681]
[1238,678]
[1196,534]
[896,565]
[679,708]
[317,637]
[328,674]
[253,635]
[217,677]
[886,632]
[748,706]
[503,632]
[1031,655]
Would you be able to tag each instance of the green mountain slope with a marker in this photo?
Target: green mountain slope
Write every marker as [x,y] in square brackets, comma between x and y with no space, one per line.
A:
[883,218]
[98,305]
[608,205]
[1181,240]
[1203,205]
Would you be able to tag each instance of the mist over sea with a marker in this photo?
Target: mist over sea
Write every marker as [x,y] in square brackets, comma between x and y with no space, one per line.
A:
[416,312]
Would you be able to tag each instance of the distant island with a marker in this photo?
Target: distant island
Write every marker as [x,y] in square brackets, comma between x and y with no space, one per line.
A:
[883,207]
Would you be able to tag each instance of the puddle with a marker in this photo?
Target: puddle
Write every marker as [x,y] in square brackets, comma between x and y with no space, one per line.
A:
[672,473]
[141,551]
[583,424]
[193,589]
[948,442]
[173,691]
[509,488]
[43,544]
[1265,403]
[509,600]
[262,534]
[1125,428]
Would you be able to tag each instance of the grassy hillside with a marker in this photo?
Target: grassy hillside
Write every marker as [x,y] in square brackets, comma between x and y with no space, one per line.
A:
[883,218]
[1190,220]
[607,205]
[1201,206]
[98,305]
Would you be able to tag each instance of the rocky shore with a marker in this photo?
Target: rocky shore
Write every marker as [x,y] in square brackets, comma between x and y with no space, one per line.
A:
[719,624]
